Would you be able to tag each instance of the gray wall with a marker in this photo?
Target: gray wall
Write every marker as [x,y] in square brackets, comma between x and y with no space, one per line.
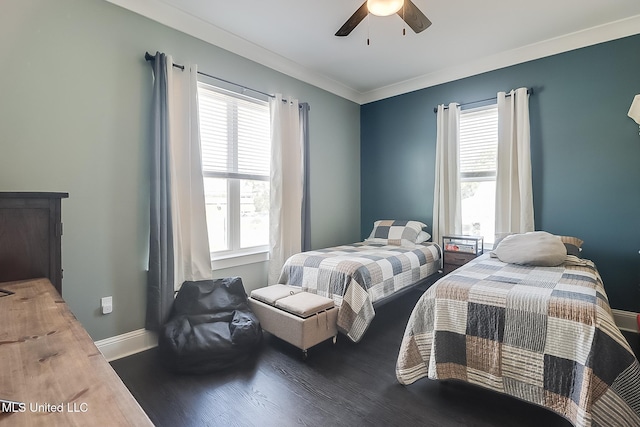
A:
[74,114]
[585,153]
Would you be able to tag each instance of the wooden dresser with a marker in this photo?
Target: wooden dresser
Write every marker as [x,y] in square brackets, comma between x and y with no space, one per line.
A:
[31,236]
[50,365]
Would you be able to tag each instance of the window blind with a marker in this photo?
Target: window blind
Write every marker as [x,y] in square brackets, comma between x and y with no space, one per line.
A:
[478,142]
[234,134]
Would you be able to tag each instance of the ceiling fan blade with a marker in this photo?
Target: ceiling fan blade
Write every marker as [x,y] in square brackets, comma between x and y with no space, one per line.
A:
[353,21]
[414,17]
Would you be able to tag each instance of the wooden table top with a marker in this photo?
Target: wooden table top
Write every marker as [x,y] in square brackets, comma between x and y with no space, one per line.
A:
[49,363]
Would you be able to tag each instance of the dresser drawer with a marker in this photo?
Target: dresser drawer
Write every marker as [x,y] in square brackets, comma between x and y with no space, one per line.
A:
[457,258]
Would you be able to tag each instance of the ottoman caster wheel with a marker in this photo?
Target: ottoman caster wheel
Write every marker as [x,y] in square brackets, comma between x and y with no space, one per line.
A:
[334,339]
[304,354]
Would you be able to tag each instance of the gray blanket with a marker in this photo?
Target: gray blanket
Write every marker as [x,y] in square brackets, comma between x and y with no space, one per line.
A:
[358,275]
[542,334]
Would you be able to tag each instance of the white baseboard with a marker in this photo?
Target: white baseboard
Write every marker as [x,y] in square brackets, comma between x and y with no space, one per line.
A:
[626,320]
[140,340]
[127,344]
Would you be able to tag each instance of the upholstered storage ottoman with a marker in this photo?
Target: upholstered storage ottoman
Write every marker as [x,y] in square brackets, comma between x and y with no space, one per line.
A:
[299,318]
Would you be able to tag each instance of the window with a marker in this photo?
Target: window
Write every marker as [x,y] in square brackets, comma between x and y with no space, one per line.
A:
[478,155]
[236,148]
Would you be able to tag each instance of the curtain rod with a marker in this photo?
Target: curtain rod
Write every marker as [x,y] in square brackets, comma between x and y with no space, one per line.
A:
[150,57]
[435,109]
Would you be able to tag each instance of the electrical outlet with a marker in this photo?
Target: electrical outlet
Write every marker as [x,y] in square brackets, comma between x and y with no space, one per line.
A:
[107,305]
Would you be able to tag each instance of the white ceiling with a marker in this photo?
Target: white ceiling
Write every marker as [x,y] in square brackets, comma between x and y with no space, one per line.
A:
[467,37]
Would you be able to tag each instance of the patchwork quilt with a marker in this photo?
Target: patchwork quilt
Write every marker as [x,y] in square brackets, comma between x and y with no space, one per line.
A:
[358,275]
[542,334]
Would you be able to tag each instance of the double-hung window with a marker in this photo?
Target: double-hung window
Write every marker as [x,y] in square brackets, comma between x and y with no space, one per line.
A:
[236,148]
[478,166]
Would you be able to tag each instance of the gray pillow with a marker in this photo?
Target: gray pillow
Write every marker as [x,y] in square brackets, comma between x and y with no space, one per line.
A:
[499,237]
[535,248]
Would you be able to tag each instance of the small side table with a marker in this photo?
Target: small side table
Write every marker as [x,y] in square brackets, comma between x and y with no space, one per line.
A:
[458,250]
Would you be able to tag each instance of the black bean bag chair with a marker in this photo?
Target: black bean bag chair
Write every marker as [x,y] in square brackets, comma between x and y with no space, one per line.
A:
[211,327]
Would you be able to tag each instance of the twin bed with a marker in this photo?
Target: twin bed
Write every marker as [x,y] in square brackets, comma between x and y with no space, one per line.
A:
[543,334]
[360,276]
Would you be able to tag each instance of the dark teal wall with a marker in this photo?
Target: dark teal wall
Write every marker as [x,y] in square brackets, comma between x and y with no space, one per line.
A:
[585,153]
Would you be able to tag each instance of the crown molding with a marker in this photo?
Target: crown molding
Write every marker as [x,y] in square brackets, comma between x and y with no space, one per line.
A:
[591,36]
[179,20]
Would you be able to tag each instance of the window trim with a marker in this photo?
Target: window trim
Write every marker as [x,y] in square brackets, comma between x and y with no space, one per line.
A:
[229,259]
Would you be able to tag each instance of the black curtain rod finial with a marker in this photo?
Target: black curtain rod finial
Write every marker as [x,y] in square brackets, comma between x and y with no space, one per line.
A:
[149,57]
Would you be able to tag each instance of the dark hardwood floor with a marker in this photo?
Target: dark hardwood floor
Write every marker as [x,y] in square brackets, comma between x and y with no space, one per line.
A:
[346,384]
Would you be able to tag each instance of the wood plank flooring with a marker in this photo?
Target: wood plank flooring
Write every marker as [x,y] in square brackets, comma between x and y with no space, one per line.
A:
[343,385]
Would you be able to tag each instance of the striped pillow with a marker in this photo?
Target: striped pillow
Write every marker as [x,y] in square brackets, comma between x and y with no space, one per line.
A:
[572,241]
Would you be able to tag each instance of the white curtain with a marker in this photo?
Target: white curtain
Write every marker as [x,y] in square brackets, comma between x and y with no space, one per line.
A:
[447,217]
[285,215]
[192,259]
[514,190]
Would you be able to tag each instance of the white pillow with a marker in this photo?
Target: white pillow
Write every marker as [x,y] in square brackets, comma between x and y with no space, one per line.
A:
[423,236]
[535,248]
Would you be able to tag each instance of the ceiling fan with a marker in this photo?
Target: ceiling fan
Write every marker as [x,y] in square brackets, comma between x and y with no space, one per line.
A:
[405,8]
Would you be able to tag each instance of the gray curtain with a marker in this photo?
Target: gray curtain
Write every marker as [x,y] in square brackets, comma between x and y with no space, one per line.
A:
[306,205]
[160,286]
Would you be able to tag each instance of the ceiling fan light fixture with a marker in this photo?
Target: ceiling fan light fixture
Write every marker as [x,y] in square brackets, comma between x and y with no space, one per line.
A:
[384,7]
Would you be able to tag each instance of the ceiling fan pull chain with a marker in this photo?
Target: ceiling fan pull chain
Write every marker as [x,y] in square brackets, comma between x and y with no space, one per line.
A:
[368,27]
